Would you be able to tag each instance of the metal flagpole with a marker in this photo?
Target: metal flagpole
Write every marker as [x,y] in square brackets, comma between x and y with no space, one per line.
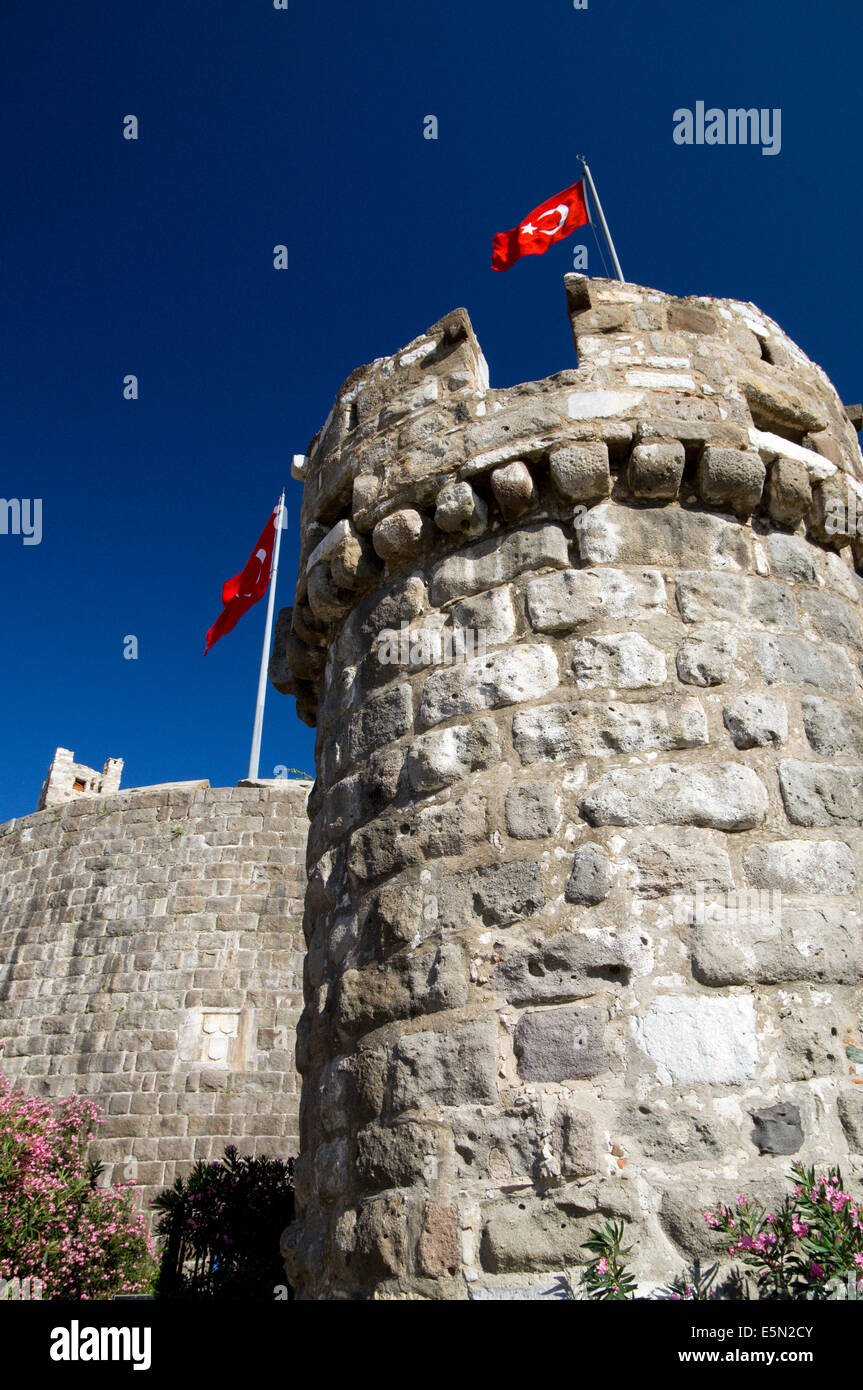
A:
[602,222]
[255,758]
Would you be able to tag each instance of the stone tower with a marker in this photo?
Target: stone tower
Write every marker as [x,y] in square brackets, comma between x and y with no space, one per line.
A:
[582,917]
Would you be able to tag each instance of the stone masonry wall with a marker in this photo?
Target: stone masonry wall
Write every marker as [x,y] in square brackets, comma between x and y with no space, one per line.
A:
[583,906]
[151,959]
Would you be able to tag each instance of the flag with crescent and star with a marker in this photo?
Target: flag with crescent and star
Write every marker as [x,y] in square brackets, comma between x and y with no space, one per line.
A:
[551,221]
[241,592]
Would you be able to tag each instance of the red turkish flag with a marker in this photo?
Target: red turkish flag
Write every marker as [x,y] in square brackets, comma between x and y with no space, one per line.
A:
[243,591]
[551,221]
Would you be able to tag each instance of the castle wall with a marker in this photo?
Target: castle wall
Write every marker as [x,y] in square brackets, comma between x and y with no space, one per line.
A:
[583,908]
[151,959]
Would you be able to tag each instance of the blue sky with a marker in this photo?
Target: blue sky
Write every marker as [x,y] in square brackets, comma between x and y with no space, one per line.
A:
[259,127]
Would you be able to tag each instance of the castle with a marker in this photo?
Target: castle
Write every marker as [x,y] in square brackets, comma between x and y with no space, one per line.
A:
[581,919]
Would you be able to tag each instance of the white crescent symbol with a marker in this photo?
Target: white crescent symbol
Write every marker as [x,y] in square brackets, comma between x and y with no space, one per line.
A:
[564,213]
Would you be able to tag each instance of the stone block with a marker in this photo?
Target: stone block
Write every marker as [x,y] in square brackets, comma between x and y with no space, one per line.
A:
[731,478]
[723,796]
[802,866]
[670,1134]
[777,1129]
[437,1250]
[590,878]
[705,596]
[833,618]
[756,721]
[395,1155]
[707,659]
[624,660]
[667,537]
[695,1040]
[572,965]
[438,759]
[675,860]
[408,984]
[459,509]
[490,616]
[507,677]
[532,811]
[655,471]
[850,1106]
[382,719]
[821,793]
[397,537]
[495,896]
[443,1069]
[789,492]
[833,730]
[580,472]
[497,560]
[598,728]
[795,661]
[534,1233]
[563,1043]
[514,489]
[791,558]
[573,598]
[770,943]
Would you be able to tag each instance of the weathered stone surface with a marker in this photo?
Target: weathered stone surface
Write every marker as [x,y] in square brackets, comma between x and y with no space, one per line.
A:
[391,842]
[487,682]
[437,1251]
[821,794]
[725,796]
[756,721]
[458,508]
[547,1234]
[670,1134]
[573,965]
[802,866]
[380,1237]
[731,478]
[833,730]
[655,471]
[395,1155]
[833,618]
[381,720]
[453,1068]
[707,659]
[491,617]
[532,811]
[580,472]
[434,978]
[611,534]
[695,1039]
[561,1044]
[497,560]
[573,598]
[444,756]
[678,861]
[591,729]
[850,1106]
[796,661]
[742,944]
[514,489]
[791,558]
[777,1129]
[590,879]
[398,535]
[497,895]
[789,492]
[624,660]
[328,603]
[705,596]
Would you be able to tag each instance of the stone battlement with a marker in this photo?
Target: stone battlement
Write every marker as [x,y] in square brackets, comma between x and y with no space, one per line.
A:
[697,403]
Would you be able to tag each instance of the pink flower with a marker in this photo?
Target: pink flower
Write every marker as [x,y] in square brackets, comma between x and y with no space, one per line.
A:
[799,1228]
[602,1266]
[815,1271]
[858,1260]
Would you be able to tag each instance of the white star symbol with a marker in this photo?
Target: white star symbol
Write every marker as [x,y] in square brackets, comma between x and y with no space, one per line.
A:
[529,228]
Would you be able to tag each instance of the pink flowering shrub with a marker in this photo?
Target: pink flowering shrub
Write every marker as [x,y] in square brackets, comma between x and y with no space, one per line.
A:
[56,1225]
[812,1240]
[810,1247]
